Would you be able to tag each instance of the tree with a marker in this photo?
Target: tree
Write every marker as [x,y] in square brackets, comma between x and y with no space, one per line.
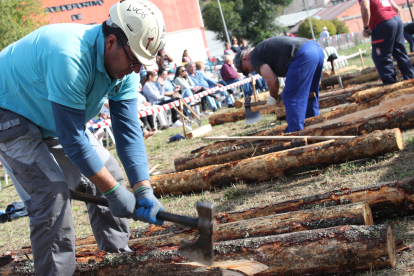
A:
[18,18]
[305,31]
[253,20]
[341,27]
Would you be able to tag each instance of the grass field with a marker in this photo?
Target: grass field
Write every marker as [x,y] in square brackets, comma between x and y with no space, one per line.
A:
[240,195]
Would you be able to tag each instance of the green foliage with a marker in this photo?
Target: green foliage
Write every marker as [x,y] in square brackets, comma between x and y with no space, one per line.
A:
[341,27]
[18,18]
[253,20]
[305,31]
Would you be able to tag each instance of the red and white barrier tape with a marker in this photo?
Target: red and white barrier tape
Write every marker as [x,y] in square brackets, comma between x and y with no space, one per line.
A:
[156,109]
[100,124]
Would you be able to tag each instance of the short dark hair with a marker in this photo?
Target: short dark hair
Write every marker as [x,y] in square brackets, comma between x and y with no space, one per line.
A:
[107,31]
[161,70]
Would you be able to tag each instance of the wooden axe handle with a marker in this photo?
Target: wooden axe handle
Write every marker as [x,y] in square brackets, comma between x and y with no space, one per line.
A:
[184,220]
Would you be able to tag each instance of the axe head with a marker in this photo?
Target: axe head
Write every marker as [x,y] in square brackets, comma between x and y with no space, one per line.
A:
[201,250]
[251,117]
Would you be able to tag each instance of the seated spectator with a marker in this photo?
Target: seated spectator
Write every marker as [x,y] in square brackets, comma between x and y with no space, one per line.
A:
[229,75]
[149,120]
[163,60]
[99,132]
[234,46]
[171,88]
[201,68]
[105,108]
[228,51]
[186,57]
[200,79]
[156,95]
[181,78]
[244,45]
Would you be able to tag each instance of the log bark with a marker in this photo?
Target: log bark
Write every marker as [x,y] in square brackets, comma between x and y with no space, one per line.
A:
[331,81]
[400,122]
[336,250]
[374,76]
[277,164]
[386,200]
[234,116]
[350,214]
[379,91]
[232,153]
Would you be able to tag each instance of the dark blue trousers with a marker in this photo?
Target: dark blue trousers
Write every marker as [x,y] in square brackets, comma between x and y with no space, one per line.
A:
[410,41]
[387,41]
[303,77]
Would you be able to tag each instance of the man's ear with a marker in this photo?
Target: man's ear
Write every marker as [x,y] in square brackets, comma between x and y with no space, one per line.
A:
[110,42]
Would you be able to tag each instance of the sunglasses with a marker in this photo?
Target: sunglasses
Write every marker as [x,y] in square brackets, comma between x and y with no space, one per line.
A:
[183,70]
[130,60]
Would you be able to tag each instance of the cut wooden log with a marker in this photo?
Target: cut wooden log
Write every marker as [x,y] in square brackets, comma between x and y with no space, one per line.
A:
[350,214]
[379,91]
[231,153]
[234,116]
[386,200]
[336,250]
[374,76]
[381,106]
[345,69]
[277,164]
[331,81]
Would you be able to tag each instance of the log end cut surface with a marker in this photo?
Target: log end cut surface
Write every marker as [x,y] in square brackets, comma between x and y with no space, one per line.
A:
[368,218]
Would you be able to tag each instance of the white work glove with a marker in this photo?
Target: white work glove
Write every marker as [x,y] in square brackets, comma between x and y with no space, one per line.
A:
[271,101]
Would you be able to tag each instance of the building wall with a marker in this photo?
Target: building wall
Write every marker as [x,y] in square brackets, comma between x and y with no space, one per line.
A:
[352,18]
[181,17]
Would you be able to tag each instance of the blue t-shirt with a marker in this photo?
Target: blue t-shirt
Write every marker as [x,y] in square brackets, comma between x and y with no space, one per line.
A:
[63,63]
[56,77]
[203,80]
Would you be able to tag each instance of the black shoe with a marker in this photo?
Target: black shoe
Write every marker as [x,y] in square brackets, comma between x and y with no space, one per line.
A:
[230,105]
[214,109]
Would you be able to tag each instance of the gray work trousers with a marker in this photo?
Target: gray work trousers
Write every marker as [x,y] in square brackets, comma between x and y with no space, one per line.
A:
[42,175]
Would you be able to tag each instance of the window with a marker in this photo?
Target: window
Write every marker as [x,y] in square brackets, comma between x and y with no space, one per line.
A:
[76,17]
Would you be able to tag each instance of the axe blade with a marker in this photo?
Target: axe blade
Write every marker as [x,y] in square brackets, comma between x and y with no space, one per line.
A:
[201,250]
[251,117]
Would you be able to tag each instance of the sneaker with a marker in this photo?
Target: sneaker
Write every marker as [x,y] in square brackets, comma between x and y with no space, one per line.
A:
[164,127]
[177,124]
[207,112]
[230,105]
[214,109]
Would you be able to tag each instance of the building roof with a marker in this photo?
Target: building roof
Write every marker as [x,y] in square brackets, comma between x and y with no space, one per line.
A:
[293,18]
[333,11]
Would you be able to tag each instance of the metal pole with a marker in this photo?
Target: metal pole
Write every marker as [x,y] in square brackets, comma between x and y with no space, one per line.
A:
[310,23]
[224,22]
[411,12]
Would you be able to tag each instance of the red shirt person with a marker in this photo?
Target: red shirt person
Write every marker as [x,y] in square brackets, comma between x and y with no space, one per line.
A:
[381,18]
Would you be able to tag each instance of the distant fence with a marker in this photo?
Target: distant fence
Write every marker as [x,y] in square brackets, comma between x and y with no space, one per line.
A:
[344,41]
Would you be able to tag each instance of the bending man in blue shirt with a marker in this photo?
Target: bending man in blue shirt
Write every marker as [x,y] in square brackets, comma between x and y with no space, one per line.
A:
[200,79]
[50,86]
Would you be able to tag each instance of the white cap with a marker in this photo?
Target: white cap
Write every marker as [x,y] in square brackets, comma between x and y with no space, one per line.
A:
[143,25]
[324,28]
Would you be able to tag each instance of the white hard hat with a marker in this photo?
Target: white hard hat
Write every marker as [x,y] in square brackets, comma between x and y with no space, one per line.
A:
[143,25]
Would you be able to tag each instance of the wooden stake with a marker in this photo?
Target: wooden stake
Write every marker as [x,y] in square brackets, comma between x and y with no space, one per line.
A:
[254,89]
[283,138]
[362,59]
[181,114]
[153,169]
[182,118]
[191,110]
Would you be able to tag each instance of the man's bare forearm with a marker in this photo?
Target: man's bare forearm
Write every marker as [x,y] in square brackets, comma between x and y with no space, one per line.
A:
[273,88]
[103,180]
